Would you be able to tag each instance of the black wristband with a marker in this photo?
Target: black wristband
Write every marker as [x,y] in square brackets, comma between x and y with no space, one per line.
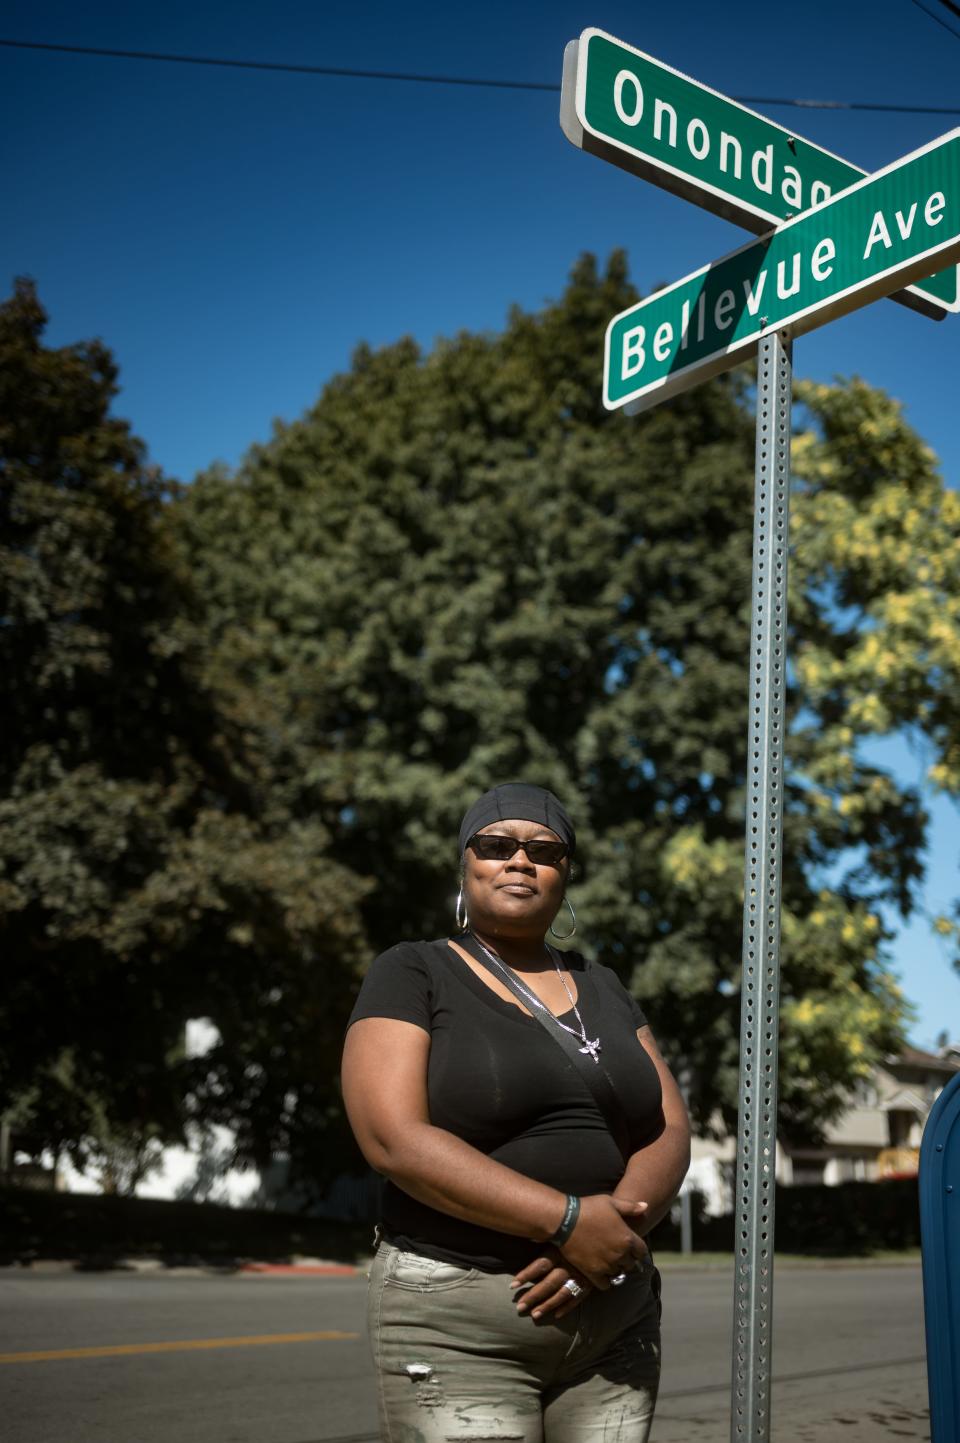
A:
[568,1222]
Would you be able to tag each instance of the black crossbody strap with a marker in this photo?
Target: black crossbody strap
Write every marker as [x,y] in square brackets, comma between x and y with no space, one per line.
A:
[594,1075]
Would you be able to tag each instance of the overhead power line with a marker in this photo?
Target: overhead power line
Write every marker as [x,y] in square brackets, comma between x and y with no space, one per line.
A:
[350,73]
[277,65]
[951,6]
[848,105]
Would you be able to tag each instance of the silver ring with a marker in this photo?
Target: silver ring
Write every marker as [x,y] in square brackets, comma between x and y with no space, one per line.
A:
[573,1288]
[620,1278]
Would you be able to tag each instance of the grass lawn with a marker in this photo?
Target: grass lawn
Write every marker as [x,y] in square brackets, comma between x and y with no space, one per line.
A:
[908,1256]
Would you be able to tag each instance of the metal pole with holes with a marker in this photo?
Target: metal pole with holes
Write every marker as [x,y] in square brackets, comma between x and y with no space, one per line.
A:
[760,980]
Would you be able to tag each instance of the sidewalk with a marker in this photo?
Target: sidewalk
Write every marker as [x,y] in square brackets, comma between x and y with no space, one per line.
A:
[304,1268]
[298,1267]
[819,1410]
[898,1411]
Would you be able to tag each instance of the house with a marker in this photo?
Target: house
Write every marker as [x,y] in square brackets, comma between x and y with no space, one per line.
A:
[877,1136]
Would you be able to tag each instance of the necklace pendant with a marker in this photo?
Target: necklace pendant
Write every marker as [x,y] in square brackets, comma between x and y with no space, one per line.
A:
[592,1048]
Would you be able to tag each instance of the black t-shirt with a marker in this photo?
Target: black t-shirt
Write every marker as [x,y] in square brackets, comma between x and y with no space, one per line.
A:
[497,1079]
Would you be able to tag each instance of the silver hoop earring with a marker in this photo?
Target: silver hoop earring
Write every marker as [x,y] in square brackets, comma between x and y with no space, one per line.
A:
[461,921]
[562,936]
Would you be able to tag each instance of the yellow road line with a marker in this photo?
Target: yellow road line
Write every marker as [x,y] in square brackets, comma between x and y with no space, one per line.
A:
[118,1350]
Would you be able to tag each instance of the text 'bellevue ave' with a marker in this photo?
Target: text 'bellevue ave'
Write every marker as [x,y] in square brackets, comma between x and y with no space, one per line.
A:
[853,248]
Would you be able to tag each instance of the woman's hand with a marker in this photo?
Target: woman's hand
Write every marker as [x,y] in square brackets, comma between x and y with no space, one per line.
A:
[545,1280]
[603,1242]
[548,1295]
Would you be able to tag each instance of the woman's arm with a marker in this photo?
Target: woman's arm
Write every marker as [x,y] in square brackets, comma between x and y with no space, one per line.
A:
[657,1170]
[384,1077]
[654,1173]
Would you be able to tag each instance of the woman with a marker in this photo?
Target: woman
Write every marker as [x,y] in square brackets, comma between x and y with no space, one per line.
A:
[512,1295]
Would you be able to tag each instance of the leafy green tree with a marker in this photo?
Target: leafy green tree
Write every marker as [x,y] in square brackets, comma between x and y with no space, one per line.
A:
[878,530]
[456,568]
[146,874]
[245,717]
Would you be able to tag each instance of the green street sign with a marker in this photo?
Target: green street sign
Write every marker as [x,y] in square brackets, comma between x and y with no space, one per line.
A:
[862,244]
[647,118]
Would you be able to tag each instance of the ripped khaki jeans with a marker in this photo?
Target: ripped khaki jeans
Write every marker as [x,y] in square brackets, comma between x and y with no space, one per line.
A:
[456,1363]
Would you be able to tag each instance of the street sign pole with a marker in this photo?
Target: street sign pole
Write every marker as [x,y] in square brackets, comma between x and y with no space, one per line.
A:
[856,238]
[760,970]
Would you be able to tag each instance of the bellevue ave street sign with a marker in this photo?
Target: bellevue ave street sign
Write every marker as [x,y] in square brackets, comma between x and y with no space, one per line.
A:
[649,119]
[862,244]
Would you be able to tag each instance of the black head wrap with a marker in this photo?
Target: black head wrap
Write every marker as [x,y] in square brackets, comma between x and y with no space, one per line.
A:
[518,801]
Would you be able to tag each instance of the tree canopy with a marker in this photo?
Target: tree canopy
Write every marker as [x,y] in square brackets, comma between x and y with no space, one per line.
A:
[144,878]
[457,568]
[250,712]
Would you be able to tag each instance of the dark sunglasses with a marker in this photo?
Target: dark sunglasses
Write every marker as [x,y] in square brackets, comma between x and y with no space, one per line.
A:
[493,848]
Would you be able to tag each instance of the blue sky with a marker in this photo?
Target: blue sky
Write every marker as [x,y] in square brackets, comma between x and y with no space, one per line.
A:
[233,234]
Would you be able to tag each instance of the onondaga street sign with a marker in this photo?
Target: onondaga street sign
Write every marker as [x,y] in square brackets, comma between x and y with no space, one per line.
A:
[888,229]
[647,118]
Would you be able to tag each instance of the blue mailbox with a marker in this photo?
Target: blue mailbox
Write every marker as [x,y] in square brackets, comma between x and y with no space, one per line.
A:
[940,1237]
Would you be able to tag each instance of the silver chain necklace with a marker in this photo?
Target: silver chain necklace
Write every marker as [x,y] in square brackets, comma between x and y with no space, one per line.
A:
[589,1048]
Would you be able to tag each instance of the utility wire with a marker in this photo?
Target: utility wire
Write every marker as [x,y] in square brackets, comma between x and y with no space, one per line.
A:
[276,65]
[347,73]
[938,19]
[847,105]
[951,6]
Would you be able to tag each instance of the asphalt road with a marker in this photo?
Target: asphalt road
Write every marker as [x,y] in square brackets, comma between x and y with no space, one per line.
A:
[848,1358]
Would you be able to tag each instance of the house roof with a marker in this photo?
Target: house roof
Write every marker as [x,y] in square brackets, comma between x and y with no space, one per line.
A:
[905,1101]
[915,1057]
